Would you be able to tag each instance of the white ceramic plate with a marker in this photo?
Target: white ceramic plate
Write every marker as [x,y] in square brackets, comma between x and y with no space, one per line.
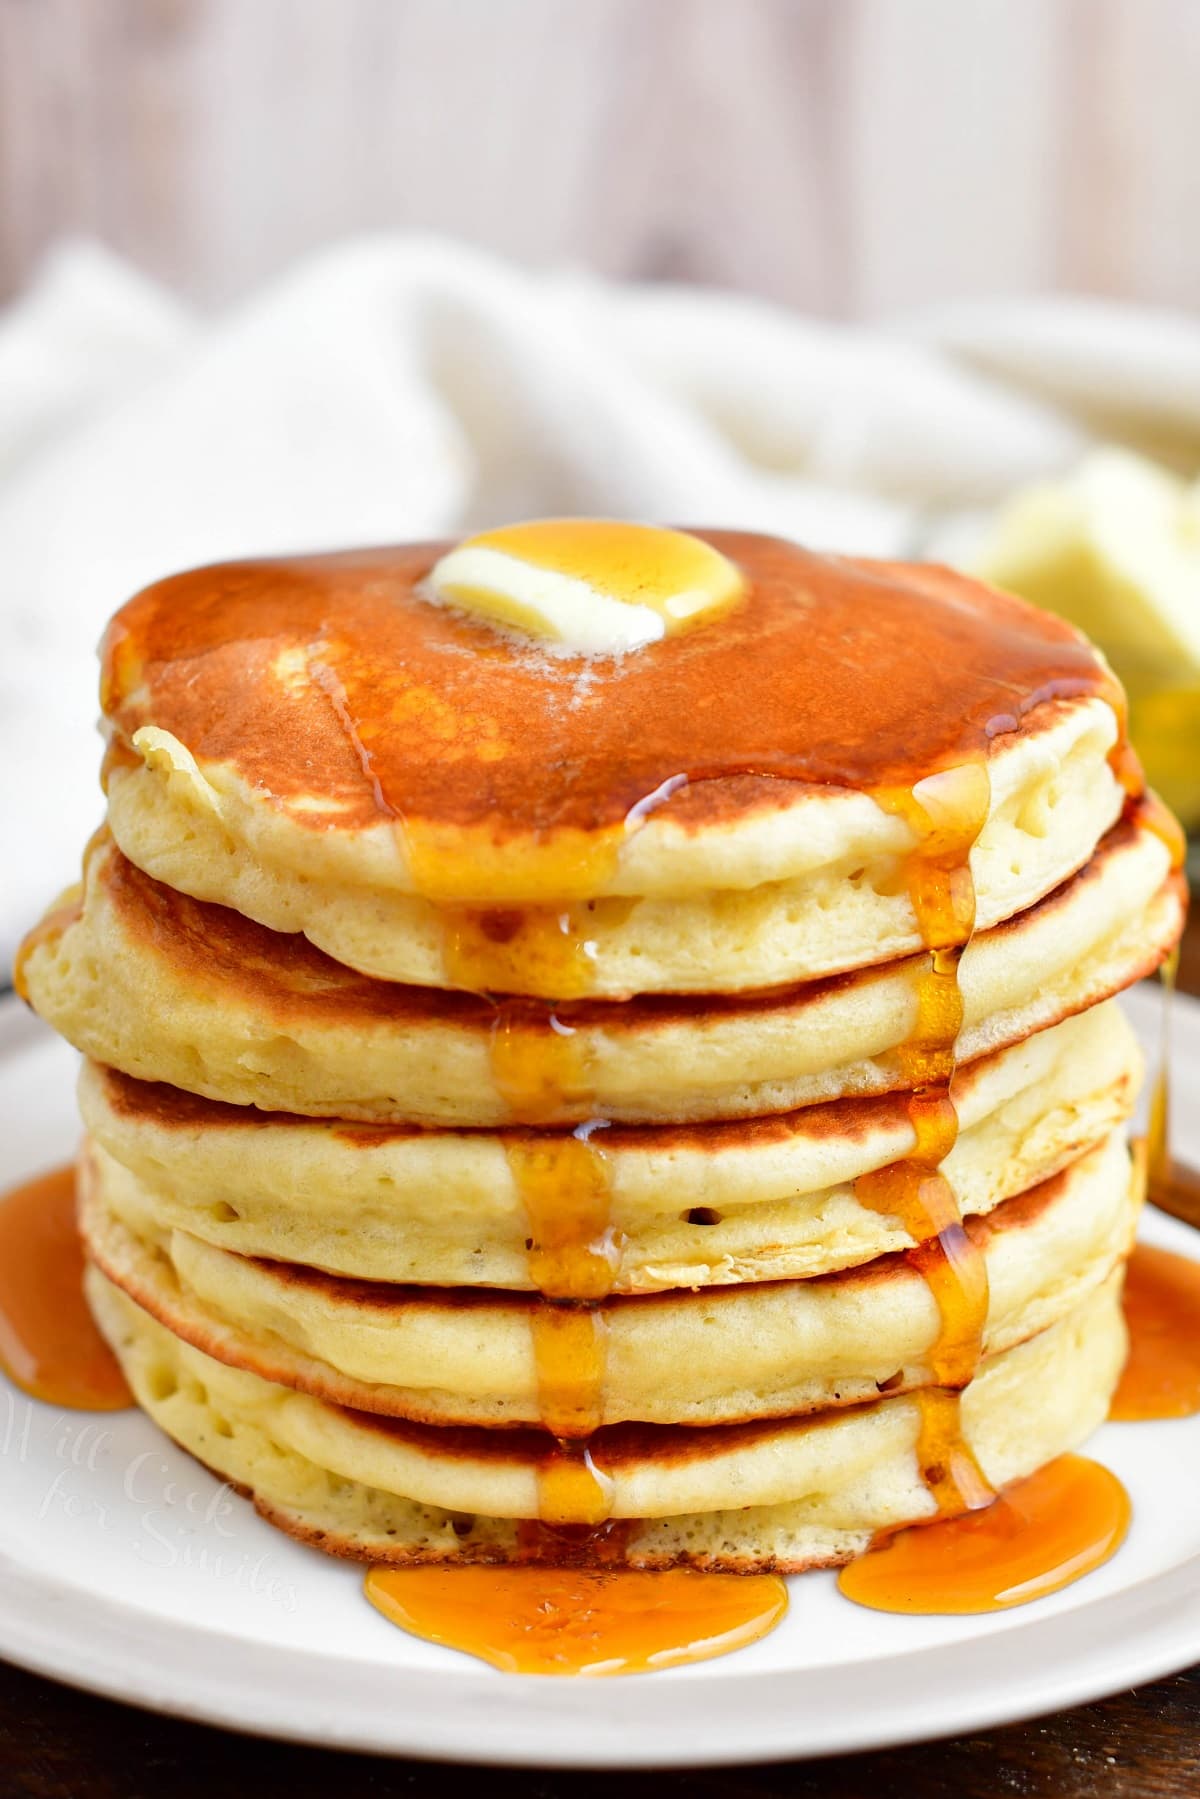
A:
[127,1569]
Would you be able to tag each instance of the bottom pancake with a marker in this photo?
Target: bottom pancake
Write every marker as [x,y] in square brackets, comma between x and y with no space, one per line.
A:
[787,1495]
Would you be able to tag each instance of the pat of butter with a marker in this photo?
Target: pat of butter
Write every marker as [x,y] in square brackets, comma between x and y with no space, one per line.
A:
[1116,549]
[588,586]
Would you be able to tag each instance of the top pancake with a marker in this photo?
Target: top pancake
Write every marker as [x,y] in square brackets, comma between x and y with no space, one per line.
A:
[345,731]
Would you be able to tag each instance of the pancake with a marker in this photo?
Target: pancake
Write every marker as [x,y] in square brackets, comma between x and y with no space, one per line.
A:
[657,1106]
[344,731]
[689,1206]
[789,1495]
[166,988]
[850,907]
[443,1356]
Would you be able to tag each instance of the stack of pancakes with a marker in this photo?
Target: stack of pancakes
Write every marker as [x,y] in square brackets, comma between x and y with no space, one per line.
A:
[542,1108]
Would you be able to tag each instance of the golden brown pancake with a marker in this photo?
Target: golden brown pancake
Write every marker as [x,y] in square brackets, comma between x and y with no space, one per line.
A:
[167,988]
[844,902]
[790,1494]
[454,1356]
[688,1205]
[330,679]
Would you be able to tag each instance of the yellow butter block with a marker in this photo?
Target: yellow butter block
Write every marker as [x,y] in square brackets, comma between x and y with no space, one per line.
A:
[1116,549]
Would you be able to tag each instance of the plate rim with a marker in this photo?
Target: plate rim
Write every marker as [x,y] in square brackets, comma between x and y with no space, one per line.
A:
[302,1695]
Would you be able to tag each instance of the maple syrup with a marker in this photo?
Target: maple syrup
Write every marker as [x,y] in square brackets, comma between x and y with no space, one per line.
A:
[1162,1310]
[564,1183]
[49,1344]
[1161,1173]
[1171,1185]
[1154,816]
[563,1178]
[577,1621]
[946,824]
[1161,1378]
[1035,1537]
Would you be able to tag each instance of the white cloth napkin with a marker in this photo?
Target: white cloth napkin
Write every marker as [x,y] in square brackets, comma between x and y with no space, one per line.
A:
[399,388]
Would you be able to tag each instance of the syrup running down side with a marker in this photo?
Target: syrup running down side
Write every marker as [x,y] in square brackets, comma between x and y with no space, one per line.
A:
[565,1186]
[549,945]
[1162,1311]
[1172,1186]
[49,1345]
[946,825]
[564,1183]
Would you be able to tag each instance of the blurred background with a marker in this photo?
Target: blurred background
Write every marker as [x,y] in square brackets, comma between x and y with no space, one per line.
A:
[901,277]
[846,157]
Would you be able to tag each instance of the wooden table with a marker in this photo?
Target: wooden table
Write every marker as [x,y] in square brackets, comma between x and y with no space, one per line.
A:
[854,158]
[58,1744]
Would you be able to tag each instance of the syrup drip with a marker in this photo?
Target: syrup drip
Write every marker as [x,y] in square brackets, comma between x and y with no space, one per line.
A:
[946,819]
[527,949]
[564,1182]
[575,1621]
[1162,1310]
[49,1345]
[1159,819]
[523,948]
[1037,1536]
[572,1488]
[1158,1137]
[1162,1291]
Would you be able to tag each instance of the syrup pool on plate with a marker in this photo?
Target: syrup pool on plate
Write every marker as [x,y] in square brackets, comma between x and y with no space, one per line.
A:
[1039,1535]
[1162,1290]
[49,1344]
[576,1621]
[1162,1310]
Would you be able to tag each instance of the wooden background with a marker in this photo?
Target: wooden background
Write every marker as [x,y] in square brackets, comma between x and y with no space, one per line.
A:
[847,156]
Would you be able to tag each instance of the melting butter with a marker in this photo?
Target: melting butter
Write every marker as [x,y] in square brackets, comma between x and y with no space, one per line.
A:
[588,586]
